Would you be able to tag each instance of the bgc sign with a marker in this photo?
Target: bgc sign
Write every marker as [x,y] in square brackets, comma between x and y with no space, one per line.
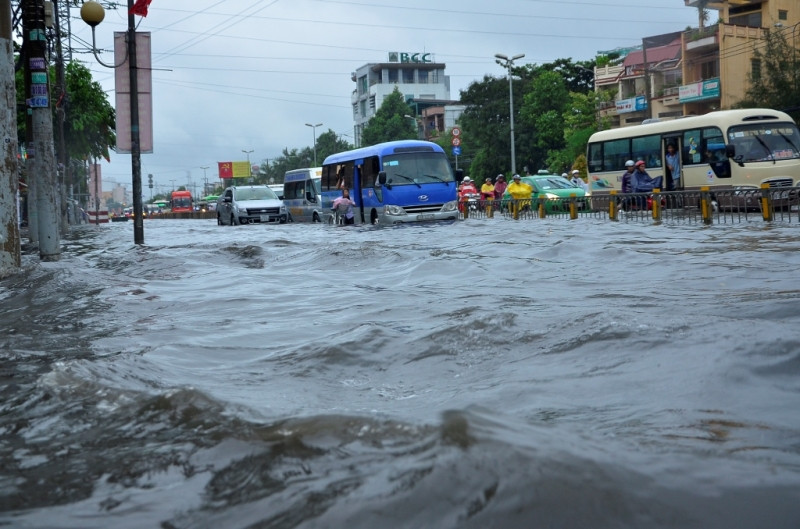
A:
[401,56]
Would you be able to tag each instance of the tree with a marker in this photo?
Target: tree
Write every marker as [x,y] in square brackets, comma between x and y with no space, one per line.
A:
[485,125]
[389,122]
[775,83]
[543,112]
[89,117]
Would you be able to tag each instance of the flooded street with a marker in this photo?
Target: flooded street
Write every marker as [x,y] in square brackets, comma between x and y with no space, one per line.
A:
[487,373]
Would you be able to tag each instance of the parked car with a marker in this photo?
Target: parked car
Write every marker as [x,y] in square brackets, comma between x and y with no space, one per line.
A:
[556,189]
[250,204]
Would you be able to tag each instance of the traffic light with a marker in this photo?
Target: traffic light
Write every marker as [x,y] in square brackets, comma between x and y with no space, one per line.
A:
[150,181]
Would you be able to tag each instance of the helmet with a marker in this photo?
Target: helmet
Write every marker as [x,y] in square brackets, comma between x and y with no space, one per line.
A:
[564,175]
[501,174]
[467,179]
[629,163]
[640,162]
[516,176]
[575,171]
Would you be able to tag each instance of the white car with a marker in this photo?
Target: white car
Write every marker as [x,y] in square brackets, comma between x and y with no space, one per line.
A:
[249,205]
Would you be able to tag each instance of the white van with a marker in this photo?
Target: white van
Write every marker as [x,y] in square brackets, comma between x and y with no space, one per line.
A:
[301,194]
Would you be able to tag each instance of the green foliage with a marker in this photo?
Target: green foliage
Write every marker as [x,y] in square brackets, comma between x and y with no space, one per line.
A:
[777,86]
[90,119]
[389,122]
[485,125]
[328,143]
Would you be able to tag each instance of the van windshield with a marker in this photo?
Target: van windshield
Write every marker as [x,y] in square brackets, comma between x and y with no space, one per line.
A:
[417,168]
[765,141]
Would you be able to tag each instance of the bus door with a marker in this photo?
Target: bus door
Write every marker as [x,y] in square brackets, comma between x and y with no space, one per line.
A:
[676,140]
[358,186]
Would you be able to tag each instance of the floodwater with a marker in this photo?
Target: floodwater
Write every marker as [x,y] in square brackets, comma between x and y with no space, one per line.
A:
[482,374]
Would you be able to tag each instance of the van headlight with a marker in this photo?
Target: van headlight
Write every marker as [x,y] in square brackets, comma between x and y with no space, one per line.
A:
[450,206]
[394,211]
[283,208]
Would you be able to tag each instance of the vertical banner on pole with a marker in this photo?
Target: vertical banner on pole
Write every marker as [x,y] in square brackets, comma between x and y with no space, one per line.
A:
[144,79]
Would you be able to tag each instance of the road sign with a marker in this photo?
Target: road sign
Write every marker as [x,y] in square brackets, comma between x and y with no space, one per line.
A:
[456,131]
[456,141]
[456,151]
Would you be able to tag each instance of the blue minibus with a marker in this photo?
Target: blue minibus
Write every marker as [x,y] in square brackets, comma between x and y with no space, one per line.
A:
[393,183]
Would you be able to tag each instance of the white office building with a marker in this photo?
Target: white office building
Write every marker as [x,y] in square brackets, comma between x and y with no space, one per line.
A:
[421,80]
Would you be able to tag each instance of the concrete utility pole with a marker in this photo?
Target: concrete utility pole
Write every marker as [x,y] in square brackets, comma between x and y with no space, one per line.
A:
[10,255]
[43,166]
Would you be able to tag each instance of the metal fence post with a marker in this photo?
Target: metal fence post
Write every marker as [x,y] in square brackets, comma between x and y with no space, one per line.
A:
[766,204]
[705,205]
[573,207]
[542,212]
[657,205]
[612,206]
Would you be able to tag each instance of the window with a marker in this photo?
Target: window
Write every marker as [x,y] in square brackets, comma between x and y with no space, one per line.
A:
[392,76]
[423,76]
[615,154]
[709,70]
[783,14]
[362,85]
[408,76]
[755,69]
[702,145]
[647,148]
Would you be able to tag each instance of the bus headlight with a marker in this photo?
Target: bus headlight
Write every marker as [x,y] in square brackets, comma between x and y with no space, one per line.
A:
[394,211]
[450,206]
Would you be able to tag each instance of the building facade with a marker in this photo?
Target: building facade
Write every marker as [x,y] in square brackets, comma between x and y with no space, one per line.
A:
[421,80]
[698,70]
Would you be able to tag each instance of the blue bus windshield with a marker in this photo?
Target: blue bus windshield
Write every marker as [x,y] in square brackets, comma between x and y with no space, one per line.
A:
[416,168]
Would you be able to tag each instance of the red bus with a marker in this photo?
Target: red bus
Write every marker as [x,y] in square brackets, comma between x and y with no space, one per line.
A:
[181,201]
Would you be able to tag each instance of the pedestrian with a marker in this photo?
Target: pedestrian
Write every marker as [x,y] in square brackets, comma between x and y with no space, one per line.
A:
[343,206]
[673,161]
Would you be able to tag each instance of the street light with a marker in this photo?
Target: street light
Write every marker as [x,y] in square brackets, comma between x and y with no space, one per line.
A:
[314,127]
[93,13]
[249,169]
[507,63]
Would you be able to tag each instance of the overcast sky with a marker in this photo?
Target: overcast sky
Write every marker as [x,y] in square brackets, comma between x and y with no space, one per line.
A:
[240,75]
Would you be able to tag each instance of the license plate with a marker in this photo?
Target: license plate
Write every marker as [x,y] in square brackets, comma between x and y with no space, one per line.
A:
[426,216]
[264,218]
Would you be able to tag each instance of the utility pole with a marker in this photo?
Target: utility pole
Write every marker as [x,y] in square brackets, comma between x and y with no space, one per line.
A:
[10,255]
[60,97]
[43,168]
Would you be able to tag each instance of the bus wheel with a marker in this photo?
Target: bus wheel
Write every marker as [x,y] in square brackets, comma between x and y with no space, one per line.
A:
[373,218]
[316,218]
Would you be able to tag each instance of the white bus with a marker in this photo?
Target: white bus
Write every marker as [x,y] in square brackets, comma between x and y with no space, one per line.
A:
[722,149]
[301,194]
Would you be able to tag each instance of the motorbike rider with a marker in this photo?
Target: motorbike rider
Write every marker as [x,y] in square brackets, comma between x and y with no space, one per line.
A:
[467,188]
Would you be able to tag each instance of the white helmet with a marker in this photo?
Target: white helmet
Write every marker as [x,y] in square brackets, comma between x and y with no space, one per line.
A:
[467,179]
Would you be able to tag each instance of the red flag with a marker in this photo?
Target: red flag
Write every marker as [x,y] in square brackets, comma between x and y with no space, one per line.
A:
[225,169]
[140,7]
